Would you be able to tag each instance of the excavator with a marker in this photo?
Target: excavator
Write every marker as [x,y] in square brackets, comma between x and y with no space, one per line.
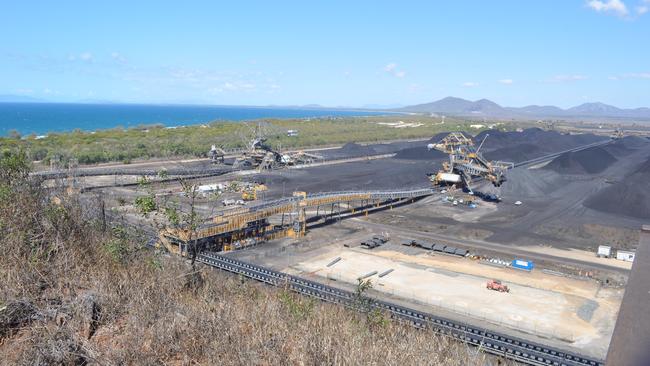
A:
[466,164]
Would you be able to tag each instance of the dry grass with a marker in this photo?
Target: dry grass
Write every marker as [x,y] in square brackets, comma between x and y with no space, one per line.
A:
[78,295]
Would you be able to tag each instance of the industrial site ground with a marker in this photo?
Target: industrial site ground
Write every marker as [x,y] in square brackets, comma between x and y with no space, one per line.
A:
[566,208]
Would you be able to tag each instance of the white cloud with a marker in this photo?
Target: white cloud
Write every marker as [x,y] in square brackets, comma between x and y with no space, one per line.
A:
[613,78]
[609,6]
[391,69]
[564,78]
[638,75]
[644,7]
[506,81]
[24,91]
[236,86]
[469,84]
[86,56]
[118,57]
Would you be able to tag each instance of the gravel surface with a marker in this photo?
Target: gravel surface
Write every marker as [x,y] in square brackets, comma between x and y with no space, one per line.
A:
[586,310]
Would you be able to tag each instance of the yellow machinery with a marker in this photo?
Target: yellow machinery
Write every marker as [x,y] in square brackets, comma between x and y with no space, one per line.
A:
[239,223]
[250,193]
[466,163]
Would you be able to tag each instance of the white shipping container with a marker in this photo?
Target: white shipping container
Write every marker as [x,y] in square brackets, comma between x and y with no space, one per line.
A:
[625,255]
[604,251]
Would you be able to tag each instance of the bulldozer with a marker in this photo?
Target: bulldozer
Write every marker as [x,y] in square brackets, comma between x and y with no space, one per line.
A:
[466,164]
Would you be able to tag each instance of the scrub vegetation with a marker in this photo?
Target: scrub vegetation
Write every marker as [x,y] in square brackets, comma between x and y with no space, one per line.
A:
[77,291]
[156,141]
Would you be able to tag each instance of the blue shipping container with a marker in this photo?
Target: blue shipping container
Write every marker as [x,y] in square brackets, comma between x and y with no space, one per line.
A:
[522,264]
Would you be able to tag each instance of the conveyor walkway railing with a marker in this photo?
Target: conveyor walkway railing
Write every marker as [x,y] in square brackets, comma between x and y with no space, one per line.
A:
[238,218]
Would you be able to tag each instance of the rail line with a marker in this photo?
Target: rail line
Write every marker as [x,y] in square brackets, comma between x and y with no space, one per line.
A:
[517,349]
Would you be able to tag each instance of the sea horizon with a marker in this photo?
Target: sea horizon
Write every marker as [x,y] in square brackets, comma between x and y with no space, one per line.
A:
[43,118]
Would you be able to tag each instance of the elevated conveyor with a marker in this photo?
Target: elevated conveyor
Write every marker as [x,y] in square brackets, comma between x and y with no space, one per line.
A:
[251,220]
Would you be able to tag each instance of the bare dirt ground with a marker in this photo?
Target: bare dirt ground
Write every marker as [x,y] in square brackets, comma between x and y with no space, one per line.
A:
[569,313]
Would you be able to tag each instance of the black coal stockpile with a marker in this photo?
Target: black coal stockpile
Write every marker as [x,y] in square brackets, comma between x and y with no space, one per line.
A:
[420,153]
[633,142]
[626,145]
[352,148]
[588,161]
[629,197]
[516,153]
[546,141]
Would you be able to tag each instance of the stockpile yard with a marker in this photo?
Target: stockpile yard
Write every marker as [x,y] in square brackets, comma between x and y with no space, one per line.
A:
[628,196]
[589,161]
[442,250]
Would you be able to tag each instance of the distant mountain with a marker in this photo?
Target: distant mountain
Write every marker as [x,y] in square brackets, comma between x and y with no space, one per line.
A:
[445,105]
[487,108]
[594,109]
[10,98]
[539,110]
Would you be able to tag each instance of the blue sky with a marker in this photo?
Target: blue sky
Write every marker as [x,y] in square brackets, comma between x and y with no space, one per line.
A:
[335,53]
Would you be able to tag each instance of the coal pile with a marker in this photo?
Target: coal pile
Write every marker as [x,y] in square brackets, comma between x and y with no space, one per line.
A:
[547,141]
[531,183]
[496,139]
[420,153]
[626,145]
[633,142]
[629,197]
[384,148]
[354,149]
[588,161]
[516,153]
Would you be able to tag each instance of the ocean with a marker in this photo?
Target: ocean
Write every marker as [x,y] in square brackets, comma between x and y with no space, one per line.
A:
[42,118]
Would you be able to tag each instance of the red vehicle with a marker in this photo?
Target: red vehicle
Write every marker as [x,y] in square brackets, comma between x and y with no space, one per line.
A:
[496,285]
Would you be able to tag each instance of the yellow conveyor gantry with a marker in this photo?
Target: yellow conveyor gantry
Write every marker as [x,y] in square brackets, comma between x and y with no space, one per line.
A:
[239,218]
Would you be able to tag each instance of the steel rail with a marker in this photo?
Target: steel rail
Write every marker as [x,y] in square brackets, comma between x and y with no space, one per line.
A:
[514,348]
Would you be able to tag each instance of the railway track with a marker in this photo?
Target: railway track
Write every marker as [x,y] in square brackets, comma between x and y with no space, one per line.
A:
[488,341]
